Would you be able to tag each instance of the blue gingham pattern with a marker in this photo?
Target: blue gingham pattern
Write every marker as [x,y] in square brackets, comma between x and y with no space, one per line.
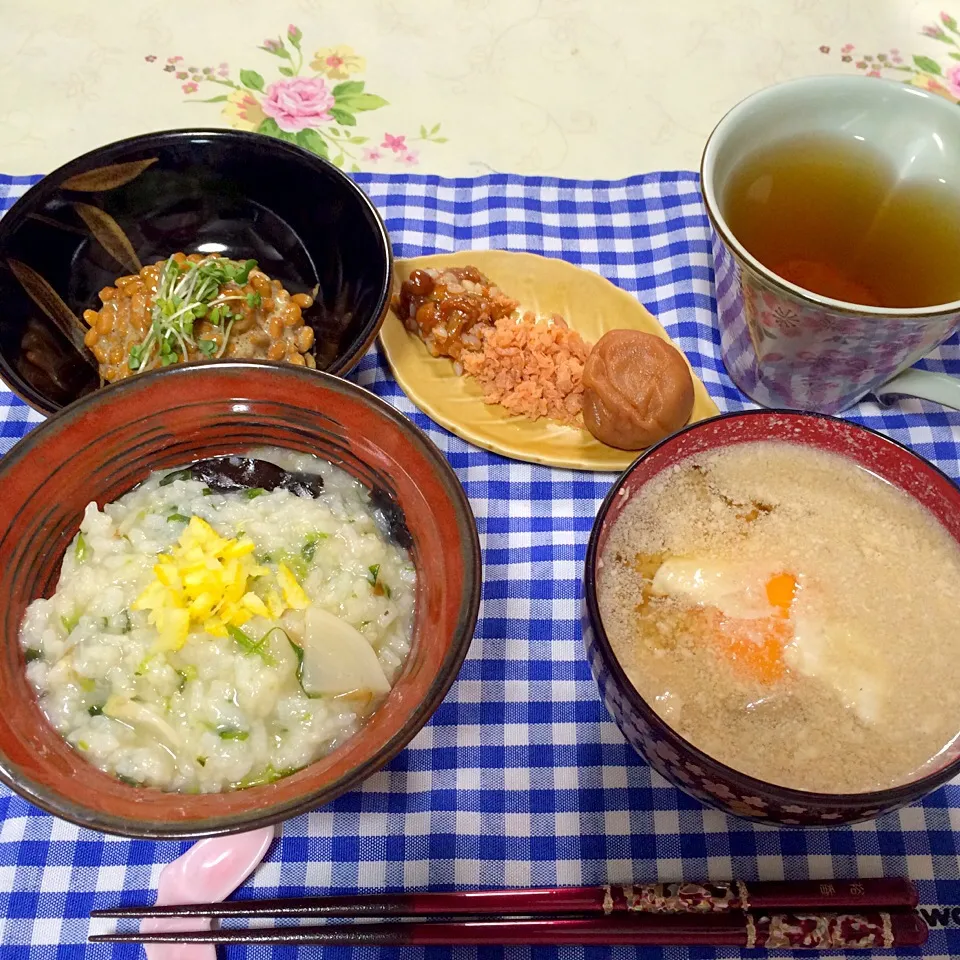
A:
[520,778]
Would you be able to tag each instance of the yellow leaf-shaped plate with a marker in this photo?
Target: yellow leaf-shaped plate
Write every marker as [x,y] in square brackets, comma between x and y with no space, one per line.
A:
[589,303]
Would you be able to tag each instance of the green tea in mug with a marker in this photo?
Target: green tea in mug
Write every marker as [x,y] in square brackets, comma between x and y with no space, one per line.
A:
[829,214]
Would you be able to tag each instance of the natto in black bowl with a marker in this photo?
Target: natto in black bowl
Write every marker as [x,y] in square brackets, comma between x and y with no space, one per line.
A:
[240,195]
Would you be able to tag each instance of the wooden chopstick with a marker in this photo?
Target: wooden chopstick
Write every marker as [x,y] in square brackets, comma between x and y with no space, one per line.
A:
[797,931]
[662,898]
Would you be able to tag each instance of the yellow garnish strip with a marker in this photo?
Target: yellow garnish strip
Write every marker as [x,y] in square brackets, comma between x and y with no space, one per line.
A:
[293,593]
[204,580]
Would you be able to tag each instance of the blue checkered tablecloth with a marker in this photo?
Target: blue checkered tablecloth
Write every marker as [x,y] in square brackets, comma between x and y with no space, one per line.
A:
[520,778]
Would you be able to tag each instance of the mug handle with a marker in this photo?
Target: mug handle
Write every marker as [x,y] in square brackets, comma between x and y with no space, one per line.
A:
[925,384]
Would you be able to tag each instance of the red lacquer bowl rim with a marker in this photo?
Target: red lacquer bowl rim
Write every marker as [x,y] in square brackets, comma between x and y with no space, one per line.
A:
[59,803]
[885,799]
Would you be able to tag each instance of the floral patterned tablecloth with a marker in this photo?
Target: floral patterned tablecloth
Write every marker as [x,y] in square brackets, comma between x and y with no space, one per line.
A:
[559,87]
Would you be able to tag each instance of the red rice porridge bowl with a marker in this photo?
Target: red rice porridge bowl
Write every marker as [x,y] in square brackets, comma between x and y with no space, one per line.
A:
[202,640]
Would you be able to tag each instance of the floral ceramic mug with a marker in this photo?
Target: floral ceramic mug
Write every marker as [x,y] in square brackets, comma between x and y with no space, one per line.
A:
[785,346]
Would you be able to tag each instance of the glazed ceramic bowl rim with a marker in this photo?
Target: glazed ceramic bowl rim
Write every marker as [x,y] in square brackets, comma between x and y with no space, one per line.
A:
[889,797]
[114,152]
[719,223]
[59,805]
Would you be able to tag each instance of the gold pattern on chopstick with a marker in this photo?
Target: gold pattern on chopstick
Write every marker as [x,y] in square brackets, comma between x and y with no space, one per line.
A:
[743,895]
[887,930]
[683,897]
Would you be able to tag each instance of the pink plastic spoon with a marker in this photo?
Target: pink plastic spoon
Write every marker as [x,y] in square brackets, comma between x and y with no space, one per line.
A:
[209,871]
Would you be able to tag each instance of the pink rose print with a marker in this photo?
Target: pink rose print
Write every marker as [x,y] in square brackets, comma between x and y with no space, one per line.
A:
[298,103]
[322,102]
[396,144]
[953,80]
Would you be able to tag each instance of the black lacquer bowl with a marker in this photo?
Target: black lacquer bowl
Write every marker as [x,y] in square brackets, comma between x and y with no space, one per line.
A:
[137,201]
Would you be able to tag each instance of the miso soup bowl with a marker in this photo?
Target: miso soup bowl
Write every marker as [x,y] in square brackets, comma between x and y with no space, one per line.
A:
[679,761]
[103,445]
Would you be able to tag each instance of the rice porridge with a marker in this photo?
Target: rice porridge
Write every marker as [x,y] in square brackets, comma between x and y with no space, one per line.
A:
[202,641]
[791,615]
